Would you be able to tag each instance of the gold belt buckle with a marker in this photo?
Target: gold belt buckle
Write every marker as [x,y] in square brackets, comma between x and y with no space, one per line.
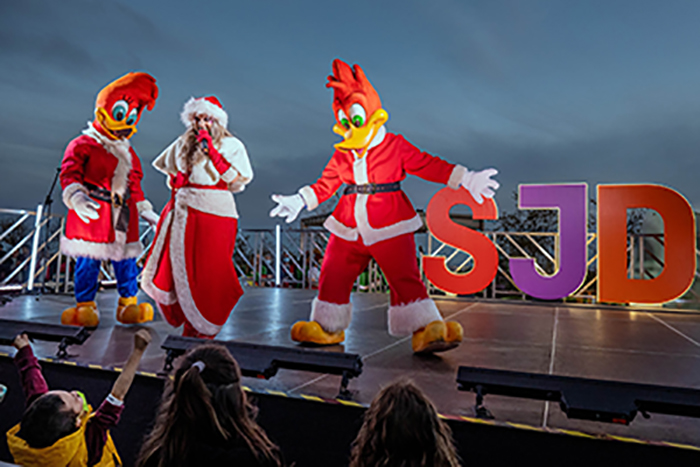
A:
[116,200]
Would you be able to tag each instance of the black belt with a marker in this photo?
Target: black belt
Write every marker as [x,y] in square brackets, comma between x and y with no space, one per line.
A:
[372,188]
[100,194]
[107,196]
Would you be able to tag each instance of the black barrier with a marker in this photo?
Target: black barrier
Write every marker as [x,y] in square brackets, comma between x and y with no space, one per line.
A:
[64,335]
[263,361]
[312,433]
[582,398]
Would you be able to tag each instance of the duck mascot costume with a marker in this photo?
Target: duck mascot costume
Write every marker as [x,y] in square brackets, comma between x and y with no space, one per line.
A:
[374,219]
[101,180]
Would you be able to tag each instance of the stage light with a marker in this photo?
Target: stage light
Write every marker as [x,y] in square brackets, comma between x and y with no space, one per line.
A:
[64,335]
[581,398]
[263,361]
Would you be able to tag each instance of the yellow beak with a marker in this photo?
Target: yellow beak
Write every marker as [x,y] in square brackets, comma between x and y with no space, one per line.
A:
[360,137]
[114,129]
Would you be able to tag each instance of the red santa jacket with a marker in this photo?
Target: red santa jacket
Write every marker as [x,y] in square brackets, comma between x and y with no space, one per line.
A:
[379,216]
[92,160]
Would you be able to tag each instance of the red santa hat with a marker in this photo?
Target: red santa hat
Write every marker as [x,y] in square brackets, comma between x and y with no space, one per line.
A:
[208,105]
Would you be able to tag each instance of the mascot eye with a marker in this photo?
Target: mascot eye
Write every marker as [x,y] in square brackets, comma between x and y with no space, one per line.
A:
[132,117]
[358,115]
[343,119]
[119,110]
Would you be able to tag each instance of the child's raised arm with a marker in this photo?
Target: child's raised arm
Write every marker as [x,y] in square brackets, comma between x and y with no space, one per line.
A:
[121,386]
[33,381]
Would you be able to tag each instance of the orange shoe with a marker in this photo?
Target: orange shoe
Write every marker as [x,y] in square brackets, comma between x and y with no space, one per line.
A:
[130,312]
[312,332]
[82,314]
[437,336]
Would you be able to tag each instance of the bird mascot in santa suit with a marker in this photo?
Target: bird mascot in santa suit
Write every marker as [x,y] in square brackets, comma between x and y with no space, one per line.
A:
[374,219]
[101,180]
[190,272]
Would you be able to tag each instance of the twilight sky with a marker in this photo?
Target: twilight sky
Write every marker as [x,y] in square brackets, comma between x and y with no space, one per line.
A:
[545,91]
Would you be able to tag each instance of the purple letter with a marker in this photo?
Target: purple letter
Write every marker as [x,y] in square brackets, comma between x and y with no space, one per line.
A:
[572,203]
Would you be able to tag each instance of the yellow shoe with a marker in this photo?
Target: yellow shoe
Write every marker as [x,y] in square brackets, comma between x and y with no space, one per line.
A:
[312,332]
[82,314]
[130,312]
[437,336]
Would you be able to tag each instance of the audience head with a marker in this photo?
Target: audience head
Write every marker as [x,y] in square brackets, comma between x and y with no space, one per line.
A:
[204,401]
[402,428]
[51,417]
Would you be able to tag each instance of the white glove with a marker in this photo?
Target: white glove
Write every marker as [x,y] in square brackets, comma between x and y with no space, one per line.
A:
[287,206]
[479,184]
[84,207]
[151,217]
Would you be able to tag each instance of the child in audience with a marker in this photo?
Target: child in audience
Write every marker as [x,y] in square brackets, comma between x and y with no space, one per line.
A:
[402,428]
[58,428]
[205,418]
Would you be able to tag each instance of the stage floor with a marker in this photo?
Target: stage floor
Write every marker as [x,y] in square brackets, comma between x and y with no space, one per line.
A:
[644,346]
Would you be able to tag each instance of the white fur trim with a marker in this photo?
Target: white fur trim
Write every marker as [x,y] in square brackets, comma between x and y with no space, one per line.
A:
[199,105]
[172,160]
[370,235]
[144,206]
[335,227]
[182,282]
[230,175]
[166,297]
[404,320]
[332,317]
[217,202]
[378,138]
[69,191]
[121,149]
[116,251]
[309,196]
[235,154]
[456,176]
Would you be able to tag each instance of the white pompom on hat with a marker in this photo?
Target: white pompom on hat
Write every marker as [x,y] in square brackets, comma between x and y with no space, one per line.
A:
[208,105]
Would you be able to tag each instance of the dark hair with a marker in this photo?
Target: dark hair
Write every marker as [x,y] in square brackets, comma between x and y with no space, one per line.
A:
[46,421]
[402,428]
[208,404]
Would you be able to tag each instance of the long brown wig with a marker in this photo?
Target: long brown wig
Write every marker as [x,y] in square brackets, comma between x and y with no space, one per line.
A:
[193,150]
[209,404]
[402,429]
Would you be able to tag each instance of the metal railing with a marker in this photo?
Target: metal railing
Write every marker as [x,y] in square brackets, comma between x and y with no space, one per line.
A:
[30,258]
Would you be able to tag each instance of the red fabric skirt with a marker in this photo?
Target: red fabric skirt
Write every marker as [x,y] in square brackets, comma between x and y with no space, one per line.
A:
[192,277]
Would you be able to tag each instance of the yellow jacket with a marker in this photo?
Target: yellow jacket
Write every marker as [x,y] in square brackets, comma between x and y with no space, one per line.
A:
[69,451]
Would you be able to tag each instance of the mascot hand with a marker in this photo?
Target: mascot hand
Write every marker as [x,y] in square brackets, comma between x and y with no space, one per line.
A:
[287,206]
[84,207]
[151,217]
[480,184]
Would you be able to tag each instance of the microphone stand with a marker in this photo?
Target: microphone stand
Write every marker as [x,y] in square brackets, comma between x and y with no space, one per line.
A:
[48,201]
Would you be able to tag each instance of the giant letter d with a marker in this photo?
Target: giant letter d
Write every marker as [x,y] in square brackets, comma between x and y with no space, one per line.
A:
[679,244]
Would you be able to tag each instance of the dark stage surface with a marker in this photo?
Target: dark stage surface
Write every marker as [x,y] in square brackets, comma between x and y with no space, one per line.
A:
[643,346]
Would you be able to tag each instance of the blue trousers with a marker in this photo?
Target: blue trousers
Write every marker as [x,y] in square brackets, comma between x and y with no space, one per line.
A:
[87,270]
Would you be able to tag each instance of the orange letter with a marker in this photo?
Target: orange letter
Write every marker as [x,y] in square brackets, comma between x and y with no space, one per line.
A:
[679,244]
[463,238]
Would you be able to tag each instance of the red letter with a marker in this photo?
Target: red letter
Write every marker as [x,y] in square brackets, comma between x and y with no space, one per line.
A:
[679,244]
[463,238]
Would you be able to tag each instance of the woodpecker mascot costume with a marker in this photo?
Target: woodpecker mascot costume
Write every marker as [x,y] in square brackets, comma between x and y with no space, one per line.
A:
[101,179]
[374,219]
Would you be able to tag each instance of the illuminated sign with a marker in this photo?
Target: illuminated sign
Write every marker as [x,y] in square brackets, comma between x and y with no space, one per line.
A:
[571,202]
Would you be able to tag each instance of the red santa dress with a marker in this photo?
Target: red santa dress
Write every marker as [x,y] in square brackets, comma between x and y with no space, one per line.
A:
[375,225]
[190,272]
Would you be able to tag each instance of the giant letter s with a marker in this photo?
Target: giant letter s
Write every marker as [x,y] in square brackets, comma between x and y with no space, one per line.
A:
[468,240]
